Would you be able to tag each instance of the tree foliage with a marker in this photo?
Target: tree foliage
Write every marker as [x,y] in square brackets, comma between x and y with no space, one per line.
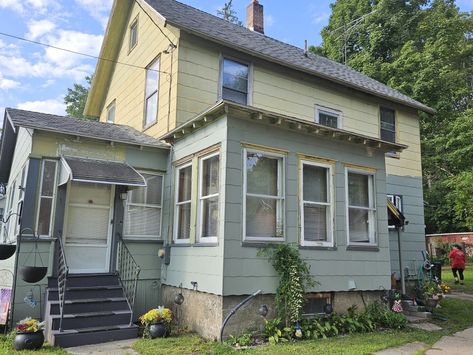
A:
[76,98]
[423,48]
[229,14]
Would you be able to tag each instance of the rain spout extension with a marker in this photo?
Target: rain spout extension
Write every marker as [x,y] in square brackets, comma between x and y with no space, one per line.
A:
[234,310]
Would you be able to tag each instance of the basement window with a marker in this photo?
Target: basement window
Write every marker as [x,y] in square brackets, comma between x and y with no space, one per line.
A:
[315,304]
[235,81]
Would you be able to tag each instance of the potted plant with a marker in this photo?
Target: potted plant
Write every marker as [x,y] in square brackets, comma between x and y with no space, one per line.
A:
[432,293]
[157,322]
[29,334]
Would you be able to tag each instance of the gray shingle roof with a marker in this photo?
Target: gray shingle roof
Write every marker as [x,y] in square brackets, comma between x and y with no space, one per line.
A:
[216,29]
[81,128]
[110,172]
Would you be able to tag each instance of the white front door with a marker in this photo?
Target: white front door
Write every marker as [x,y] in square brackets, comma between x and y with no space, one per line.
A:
[88,227]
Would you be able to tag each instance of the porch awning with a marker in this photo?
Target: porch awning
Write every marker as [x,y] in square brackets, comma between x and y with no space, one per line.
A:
[395,217]
[99,172]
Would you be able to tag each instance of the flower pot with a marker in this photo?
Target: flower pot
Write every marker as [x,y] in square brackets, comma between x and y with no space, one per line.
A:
[7,251]
[33,274]
[158,330]
[430,304]
[29,341]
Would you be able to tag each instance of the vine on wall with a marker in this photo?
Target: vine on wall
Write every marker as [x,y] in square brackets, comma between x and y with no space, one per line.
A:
[294,280]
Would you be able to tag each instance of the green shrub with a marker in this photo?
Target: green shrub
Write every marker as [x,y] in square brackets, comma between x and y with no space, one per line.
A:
[245,339]
[275,331]
[383,317]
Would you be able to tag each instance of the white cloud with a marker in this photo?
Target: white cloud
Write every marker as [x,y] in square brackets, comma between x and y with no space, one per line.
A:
[54,106]
[269,20]
[98,9]
[39,28]
[318,18]
[39,7]
[7,84]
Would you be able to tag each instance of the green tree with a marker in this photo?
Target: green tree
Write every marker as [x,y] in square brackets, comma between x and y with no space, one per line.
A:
[229,14]
[76,98]
[425,50]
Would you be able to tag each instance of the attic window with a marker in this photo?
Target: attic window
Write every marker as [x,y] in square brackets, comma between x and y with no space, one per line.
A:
[133,34]
[328,117]
[235,81]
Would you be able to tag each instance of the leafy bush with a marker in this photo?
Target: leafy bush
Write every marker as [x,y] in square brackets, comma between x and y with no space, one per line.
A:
[383,317]
[275,332]
[245,339]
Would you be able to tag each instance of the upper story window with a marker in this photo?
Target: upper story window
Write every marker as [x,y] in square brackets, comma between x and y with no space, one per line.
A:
[316,209]
[183,198]
[235,81]
[361,207]
[328,117]
[133,34]
[396,200]
[208,198]
[143,209]
[388,124]
[264,195]
[46,197]
[111,112]
[151,93]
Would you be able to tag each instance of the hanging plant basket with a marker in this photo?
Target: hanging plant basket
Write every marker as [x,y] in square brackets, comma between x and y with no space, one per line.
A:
[33,274]
[7,251]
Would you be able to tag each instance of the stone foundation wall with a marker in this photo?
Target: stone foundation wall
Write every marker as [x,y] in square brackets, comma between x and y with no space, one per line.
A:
[204,313]
[200,312]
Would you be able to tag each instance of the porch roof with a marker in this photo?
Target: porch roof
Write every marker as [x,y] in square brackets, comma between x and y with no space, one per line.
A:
[279,120]
[100,172]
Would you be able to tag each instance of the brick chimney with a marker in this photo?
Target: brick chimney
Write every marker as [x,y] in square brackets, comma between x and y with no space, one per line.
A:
[254,17]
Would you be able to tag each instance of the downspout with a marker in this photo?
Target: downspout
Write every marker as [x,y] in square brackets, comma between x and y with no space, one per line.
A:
[403,282]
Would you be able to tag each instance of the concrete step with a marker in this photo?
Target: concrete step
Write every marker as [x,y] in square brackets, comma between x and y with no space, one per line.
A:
[90,320]
[77,280]
[95,335]
[77,293]
[90,305]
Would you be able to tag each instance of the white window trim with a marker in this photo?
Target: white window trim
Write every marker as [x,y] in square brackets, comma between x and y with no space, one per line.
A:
[249,95]
[201,199]
[134,24]
[372,201]
[394,199]
[146,125]
[53,198]
[177,204]
[322,109]
[113,105]
[142,237]
[331,198]
[281,195]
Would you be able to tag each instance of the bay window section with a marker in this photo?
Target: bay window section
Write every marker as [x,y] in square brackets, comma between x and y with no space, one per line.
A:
[46,197]
[264,196]
[208,198]
[316,210]
[143,209]
[361,207]
[182,212]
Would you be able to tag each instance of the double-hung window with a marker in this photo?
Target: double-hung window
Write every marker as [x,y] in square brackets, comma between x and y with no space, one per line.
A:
[208,198]
[143,209]
[361,207]
[182,211]
[263,207]
[316,209]
[133,35]
[328,117]
[388,124]
[235,81]
[111,112]
[151,93]
[46,197]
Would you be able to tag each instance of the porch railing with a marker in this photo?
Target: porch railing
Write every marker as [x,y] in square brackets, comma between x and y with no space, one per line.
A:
[62,274]
[128,271]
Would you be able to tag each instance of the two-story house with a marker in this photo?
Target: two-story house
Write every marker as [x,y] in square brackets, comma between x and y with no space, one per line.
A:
[214,140]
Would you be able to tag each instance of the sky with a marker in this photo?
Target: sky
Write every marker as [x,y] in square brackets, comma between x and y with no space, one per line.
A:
[33,77]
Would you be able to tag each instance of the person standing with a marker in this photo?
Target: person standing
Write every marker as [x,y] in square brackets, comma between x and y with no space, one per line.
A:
[457,261]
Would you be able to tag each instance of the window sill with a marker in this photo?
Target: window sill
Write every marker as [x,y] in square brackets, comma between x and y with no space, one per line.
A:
[203,245]
[143,240]
[261,244]
[146,127]
[179,245]
[363,247]
[317,247]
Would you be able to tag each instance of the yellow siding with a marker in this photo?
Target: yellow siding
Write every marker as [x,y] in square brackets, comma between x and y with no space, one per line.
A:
[53,145]
[127,86]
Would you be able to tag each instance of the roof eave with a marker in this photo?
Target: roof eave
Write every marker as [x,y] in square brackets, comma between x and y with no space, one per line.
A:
[273,118]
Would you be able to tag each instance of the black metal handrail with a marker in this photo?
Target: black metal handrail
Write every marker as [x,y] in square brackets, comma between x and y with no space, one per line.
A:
[128,271]
[62,274]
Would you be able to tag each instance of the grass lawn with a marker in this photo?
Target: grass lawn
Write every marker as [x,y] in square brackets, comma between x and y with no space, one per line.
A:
[447,277]
[6,347]
[459,313]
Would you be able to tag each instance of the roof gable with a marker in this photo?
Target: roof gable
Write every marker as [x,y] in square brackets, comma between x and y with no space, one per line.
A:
[218,30]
